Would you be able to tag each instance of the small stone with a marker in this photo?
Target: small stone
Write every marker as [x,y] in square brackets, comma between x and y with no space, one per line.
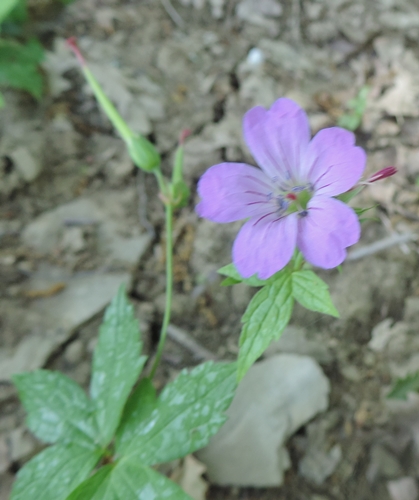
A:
[404,488]
[73,240]
[410,132]
[411,309]
[4,454]
[74,352]
[26,165]
[274,399]
[318,465]
[351,373]
[383,464]
[387,128]
[21,444]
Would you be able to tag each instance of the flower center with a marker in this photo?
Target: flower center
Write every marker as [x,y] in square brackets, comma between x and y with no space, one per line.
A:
[291,198]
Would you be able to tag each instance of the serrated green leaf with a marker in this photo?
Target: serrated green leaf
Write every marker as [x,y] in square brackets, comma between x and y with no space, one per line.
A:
[229,282]
[139,407]
[93,487]
[128,480]
[312,292]
[6,6]
[231,271]
[58,408]
[116,364]
[403,386]
[189,411]
[265,318]
[19,66]
[54,473]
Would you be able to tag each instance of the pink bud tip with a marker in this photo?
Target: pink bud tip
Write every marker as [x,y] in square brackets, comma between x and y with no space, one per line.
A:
[382,174]
[184,134]
[72,43]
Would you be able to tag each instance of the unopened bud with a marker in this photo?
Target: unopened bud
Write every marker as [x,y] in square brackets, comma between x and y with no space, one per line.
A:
[382,174]
[180,194]
[143,154]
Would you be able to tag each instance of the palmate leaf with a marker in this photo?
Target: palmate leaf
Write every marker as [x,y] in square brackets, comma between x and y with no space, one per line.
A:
[128,480]
[312,292]
[189,411]
[265,318]
[116,365]
[54,473]
[19,66]
[58,408]
[403,386]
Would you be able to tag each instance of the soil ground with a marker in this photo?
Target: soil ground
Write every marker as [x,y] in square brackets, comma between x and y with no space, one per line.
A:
[200,65]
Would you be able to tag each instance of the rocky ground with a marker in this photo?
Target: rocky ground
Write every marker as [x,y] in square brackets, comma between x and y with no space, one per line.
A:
[77,219]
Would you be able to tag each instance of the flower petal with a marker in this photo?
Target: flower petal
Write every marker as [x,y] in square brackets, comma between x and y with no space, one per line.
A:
[277,138]
[329,227]
[233,191]
[335,163]
[265,246]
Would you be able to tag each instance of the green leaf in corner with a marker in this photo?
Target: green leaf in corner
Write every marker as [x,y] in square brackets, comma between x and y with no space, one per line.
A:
[231,272]
[189,411]
[128,480]
[116,365]
[58,408]
[312,292]
[265,318]
[54,473]
[403,386]
[6,6]
[19,66]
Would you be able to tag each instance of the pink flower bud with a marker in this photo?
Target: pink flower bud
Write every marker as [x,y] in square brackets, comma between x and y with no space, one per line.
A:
[382,174]
[186,132]
[72,43]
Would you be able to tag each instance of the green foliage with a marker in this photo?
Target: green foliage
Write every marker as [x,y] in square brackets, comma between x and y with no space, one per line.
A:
[19,66]
[139,407]
[352,119]
[128,481]
[269,312]
[312,292]
[265,318]
[234,277]
[132,432]
[58,409]
[116,365]
[189,411]
[55,472]
[6,7]
[403,386]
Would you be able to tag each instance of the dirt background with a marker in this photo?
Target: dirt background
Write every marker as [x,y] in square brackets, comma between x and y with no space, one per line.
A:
[77,219]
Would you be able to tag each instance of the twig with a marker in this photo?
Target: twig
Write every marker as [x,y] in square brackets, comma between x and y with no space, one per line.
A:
[378,246]
[173,13]
[185,340]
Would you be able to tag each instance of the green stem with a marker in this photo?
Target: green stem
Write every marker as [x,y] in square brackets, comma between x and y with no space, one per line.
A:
[299,261]
[169,287]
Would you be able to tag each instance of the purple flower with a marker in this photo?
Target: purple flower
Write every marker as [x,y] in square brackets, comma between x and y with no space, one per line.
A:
[288,201]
